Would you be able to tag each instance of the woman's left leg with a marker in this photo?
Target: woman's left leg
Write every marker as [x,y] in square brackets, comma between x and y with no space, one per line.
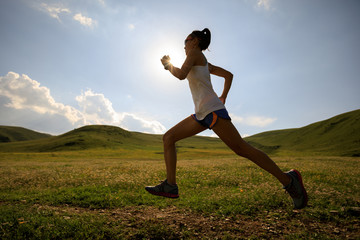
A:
[231,137]
[186,128]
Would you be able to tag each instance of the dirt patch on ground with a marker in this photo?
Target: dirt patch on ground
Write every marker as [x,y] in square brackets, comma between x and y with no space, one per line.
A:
[183,223]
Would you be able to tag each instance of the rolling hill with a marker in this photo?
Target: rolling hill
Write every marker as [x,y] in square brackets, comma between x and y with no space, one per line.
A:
[87,137]
[104,137]
[13,134]
[339,135]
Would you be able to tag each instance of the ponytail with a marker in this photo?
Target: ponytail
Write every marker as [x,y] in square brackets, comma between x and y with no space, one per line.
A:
[204,37]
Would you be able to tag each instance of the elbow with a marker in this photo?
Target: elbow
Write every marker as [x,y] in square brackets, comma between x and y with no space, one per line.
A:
[179,73]
[229,77]
[181,77]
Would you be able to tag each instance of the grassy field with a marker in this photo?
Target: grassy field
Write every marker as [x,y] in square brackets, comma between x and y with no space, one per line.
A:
[99,194]
[89,184]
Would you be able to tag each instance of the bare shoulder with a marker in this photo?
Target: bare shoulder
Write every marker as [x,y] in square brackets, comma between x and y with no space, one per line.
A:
[210,66]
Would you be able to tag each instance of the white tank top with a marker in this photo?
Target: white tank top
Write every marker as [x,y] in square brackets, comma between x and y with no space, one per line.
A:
[203,94]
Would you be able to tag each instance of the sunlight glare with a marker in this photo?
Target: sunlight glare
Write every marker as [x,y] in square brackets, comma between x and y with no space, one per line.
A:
[175,51]
[176,54]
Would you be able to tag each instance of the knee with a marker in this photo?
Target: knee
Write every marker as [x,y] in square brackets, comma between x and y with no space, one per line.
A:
[244,154]
[237,149]
[250,152]
[168,139]
[243,150]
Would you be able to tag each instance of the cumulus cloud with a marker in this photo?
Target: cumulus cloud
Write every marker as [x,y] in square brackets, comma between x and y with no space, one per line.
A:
[255,121]
[25,93]
[96,108]
[131,121]
[85,21]
[24,102]
[53,11]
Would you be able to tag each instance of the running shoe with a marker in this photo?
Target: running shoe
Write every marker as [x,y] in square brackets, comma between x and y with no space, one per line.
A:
[164,189]
[296,189]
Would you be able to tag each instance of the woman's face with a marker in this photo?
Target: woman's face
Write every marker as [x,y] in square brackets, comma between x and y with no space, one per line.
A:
[189,43]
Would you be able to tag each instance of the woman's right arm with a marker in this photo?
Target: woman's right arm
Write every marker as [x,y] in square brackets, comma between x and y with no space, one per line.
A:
[181,73]
[228,76]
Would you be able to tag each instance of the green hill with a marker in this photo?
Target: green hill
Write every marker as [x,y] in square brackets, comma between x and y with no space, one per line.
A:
[339,135]
[13,134]
[87,137]
[105,137]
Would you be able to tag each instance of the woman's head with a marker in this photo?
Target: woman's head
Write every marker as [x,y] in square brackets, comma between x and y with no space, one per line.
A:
[203,37]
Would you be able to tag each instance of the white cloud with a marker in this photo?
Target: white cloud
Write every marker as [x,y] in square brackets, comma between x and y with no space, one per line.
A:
[131,26]
[54,11]
[85,21]
[58,12]
[96,108]
[255,121]
[25,93]
[264,4]
[135,123]
[213,135]
[24,102]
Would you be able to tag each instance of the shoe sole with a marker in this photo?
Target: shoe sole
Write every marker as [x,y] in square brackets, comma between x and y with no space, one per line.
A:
[302,188]
[163,194]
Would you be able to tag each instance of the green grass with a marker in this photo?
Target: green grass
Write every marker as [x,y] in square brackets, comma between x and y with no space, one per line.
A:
[89,184]
[85,196]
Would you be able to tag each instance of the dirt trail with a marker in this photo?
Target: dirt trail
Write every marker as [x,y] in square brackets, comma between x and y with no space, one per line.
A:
[187,224]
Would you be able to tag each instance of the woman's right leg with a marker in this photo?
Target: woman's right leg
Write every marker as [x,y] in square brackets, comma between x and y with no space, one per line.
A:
[231,137]
[292,180]
[186,128]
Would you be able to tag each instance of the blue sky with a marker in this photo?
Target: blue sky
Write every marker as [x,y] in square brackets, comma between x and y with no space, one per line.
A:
[65,64]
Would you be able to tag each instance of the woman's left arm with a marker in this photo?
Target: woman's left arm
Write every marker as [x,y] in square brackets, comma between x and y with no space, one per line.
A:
[228,76]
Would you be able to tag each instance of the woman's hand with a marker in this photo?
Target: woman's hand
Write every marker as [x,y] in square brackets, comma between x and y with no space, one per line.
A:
[165,60]
[182,72]
[222,99]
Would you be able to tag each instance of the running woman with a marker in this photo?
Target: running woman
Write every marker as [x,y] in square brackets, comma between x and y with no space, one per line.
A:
[210,113]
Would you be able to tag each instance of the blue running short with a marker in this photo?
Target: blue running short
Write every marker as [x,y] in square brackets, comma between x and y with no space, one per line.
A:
[210,120]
